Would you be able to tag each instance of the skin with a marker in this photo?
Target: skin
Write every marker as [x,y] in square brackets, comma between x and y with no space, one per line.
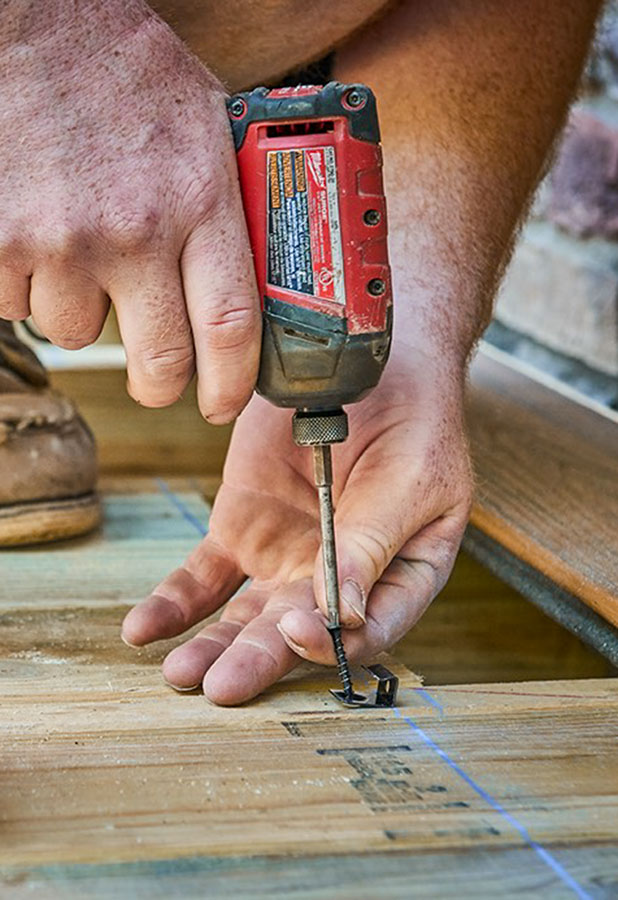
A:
[276,36]
[394,555]
[471,97]
[128,191]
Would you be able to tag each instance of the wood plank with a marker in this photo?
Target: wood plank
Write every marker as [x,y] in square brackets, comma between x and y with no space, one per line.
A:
[135,440]
[139,543]
[477,630]
[127,769]
[513,873]
[547,472]
[563,607]
[102,765]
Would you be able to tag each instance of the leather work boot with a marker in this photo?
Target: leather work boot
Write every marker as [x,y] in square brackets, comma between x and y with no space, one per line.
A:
[47,454]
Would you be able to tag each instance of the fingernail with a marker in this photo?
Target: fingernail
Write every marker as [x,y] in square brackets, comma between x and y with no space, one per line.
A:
[353,597]
[221,418]
[180,689]
[128,643]
[298,648]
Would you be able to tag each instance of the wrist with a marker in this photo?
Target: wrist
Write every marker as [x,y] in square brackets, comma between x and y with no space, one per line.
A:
[426,338]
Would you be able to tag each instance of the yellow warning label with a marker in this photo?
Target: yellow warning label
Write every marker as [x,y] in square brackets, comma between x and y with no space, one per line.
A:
[273,176]
[288,184]
[299,169]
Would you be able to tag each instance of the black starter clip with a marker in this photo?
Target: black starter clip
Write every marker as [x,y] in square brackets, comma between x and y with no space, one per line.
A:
[385,695]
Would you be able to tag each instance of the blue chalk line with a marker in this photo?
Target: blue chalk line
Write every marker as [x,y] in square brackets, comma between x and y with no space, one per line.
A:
[541,852]
[180,506]
[431,700]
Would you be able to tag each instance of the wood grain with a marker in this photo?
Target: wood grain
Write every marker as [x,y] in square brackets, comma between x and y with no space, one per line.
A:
[109,780]
[547,480]
[507,874]
[134,440]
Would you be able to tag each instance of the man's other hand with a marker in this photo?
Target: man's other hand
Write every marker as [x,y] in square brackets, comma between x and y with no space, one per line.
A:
[119,182]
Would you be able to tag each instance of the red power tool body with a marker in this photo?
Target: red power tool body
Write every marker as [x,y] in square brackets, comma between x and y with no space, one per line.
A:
[310,167]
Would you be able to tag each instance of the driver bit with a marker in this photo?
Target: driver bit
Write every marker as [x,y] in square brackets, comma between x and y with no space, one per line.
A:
[323,473]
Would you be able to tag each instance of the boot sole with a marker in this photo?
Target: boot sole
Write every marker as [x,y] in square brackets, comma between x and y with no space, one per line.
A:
[41,521]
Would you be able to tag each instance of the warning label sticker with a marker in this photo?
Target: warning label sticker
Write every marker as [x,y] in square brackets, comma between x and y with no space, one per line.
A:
[304,229]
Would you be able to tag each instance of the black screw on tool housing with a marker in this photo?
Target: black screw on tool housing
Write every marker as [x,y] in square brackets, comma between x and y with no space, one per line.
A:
[376,287]
[355,98]
[237,107]
[372,217]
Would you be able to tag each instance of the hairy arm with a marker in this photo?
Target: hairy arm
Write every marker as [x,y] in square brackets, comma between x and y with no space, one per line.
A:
[471,97]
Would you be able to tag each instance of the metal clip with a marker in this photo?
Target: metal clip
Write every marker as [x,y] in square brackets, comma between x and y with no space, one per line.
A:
[385,695]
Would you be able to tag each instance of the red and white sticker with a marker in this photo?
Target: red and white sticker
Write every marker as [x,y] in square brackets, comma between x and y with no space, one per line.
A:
[304,228]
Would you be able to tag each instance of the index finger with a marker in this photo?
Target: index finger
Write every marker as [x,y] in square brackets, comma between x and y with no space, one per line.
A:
[259,656]
[222,303]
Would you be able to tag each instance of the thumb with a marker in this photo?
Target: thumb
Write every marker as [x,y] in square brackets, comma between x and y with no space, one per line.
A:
[366,544]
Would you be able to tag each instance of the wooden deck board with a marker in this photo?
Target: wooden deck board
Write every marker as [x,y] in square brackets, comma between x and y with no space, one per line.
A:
[547,472]
[112,783]
[138,544]
[473,874]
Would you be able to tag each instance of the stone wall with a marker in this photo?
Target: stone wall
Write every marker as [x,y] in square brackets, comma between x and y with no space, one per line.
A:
[562,285]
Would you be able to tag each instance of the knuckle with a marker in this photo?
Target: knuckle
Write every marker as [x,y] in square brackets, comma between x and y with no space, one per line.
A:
[157,377]
[375,545]
[59,242]
[230,328]
[416,570]
[243,609]
[68,330]
[166,364]
[201,194]
[129,229]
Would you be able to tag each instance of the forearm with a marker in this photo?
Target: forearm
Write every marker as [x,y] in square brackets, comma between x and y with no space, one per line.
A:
[471,96]
[26,21]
